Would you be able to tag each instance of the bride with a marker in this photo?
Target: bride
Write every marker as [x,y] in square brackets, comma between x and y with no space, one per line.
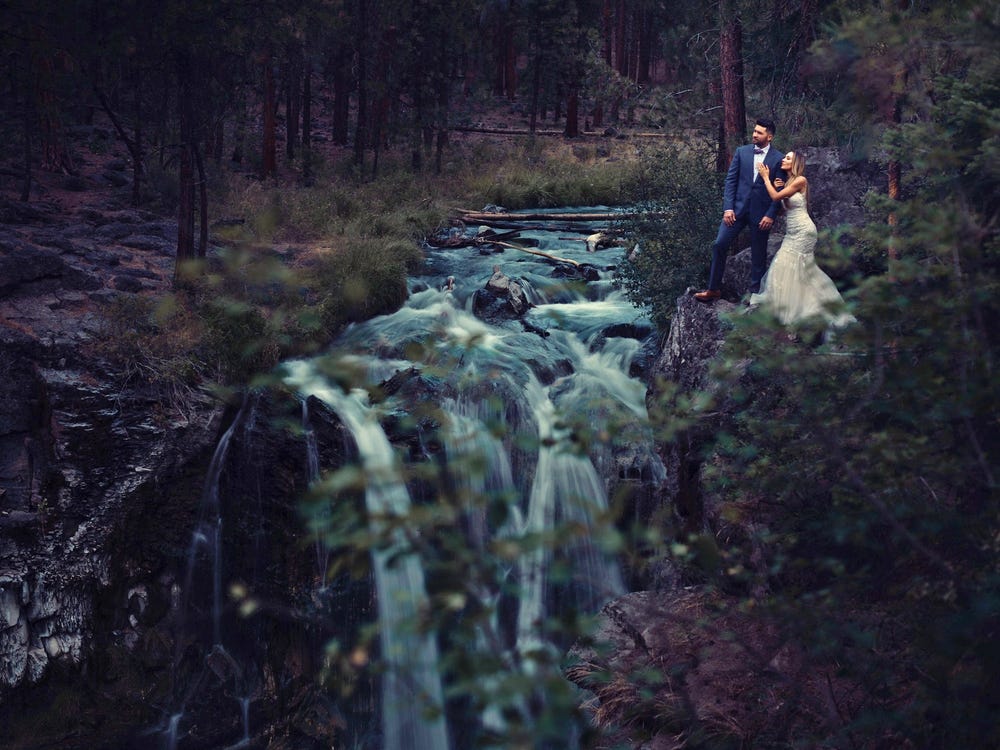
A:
[794,287]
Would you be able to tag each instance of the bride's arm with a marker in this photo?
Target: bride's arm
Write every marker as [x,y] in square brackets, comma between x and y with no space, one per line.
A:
[790,188]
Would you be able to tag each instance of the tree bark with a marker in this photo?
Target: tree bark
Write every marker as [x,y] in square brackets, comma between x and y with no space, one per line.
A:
[202,201]
[307,124]
[573,112]
[644,38]
[510,61]
[731,64]
[29,122]
[341,99]
[185,177]
[607,30]
[361,127]
[269,157]
[293,100]
[621,62]
[536,87]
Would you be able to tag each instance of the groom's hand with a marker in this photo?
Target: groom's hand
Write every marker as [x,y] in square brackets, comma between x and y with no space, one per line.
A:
[765,223]
[729,217]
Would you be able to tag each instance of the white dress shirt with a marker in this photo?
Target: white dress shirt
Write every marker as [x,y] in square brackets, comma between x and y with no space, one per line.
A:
[758,160]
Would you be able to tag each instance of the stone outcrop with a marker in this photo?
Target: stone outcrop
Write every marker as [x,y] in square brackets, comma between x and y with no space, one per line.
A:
[501,298]
[731,675]
[81,451]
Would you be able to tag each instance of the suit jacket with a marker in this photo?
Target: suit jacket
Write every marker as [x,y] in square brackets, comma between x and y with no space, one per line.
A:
[742,193]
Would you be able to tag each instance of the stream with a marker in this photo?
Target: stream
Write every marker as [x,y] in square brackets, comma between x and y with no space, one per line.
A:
[533,429]
[541,411]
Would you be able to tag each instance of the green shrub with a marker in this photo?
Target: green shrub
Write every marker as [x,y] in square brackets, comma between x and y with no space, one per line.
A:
[364,279]
[683,200]
[869,467]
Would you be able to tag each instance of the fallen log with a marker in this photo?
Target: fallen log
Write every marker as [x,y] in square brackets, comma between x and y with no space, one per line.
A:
[486,216]
[550,256]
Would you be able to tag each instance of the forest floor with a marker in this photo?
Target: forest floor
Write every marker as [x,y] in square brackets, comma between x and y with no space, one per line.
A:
[78,204]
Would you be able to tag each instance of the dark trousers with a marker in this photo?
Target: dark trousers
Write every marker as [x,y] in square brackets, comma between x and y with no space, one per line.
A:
[758,251]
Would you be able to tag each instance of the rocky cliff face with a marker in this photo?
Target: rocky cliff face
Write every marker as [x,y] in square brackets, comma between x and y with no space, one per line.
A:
[97,472]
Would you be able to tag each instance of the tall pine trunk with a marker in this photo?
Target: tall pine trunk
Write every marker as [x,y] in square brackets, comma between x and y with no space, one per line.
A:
[202,201]
[573,112]
[269,156]
[341,82]
[731,64]
[307,123]
[361,127]
[185,179]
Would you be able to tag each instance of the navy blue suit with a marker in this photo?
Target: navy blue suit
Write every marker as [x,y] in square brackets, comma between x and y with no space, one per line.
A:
[749,200]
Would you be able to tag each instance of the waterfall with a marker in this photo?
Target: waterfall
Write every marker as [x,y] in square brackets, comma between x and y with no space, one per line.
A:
[566,489]
[206,550]
[173,724]
[516,399]
[412,678]
[208,531]
[312,474]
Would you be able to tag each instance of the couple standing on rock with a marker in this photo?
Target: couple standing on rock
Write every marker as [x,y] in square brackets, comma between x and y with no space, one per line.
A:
[760,179]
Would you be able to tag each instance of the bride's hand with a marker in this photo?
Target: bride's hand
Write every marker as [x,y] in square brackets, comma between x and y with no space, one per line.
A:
[764,170]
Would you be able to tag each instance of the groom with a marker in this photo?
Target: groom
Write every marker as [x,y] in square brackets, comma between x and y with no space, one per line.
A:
[745,202]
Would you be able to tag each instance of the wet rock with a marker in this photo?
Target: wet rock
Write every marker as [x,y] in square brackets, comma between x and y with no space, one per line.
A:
[501,298]
[583,271]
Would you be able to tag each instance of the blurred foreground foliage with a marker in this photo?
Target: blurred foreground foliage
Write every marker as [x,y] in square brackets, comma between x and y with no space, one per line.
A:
[861,470]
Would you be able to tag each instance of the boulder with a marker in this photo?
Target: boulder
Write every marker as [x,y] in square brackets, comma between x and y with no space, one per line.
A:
[501,298]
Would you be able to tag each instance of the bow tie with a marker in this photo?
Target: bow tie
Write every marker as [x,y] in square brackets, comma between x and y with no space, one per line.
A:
[757,150]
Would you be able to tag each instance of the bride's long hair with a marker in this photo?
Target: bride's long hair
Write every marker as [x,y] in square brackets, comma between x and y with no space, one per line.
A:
[799,168]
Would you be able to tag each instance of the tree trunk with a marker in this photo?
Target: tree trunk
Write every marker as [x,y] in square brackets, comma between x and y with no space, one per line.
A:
[29,128]
[621,62]
[269,157]
[341,98]
[510,62]
[307,124]
[805,35]
[573,112]
[185,178]
[134,145]
[361,127]
[293,100]
[202,201]
[607,29]
[644,38]
[731,64]
[536,87]
[894,169]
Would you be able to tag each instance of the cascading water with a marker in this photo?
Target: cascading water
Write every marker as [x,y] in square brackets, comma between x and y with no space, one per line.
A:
[559,375]
[412,677]
[205,564]
[312,474]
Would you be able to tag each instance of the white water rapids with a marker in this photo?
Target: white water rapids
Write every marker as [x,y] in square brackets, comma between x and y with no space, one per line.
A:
[562,374]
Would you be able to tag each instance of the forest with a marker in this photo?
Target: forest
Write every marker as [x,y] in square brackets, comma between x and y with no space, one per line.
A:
[274,454]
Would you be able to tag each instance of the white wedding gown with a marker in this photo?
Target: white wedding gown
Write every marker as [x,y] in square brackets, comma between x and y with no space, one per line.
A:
[794,287]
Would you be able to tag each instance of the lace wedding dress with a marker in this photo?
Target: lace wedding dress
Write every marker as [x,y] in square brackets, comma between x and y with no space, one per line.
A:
[794,287]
